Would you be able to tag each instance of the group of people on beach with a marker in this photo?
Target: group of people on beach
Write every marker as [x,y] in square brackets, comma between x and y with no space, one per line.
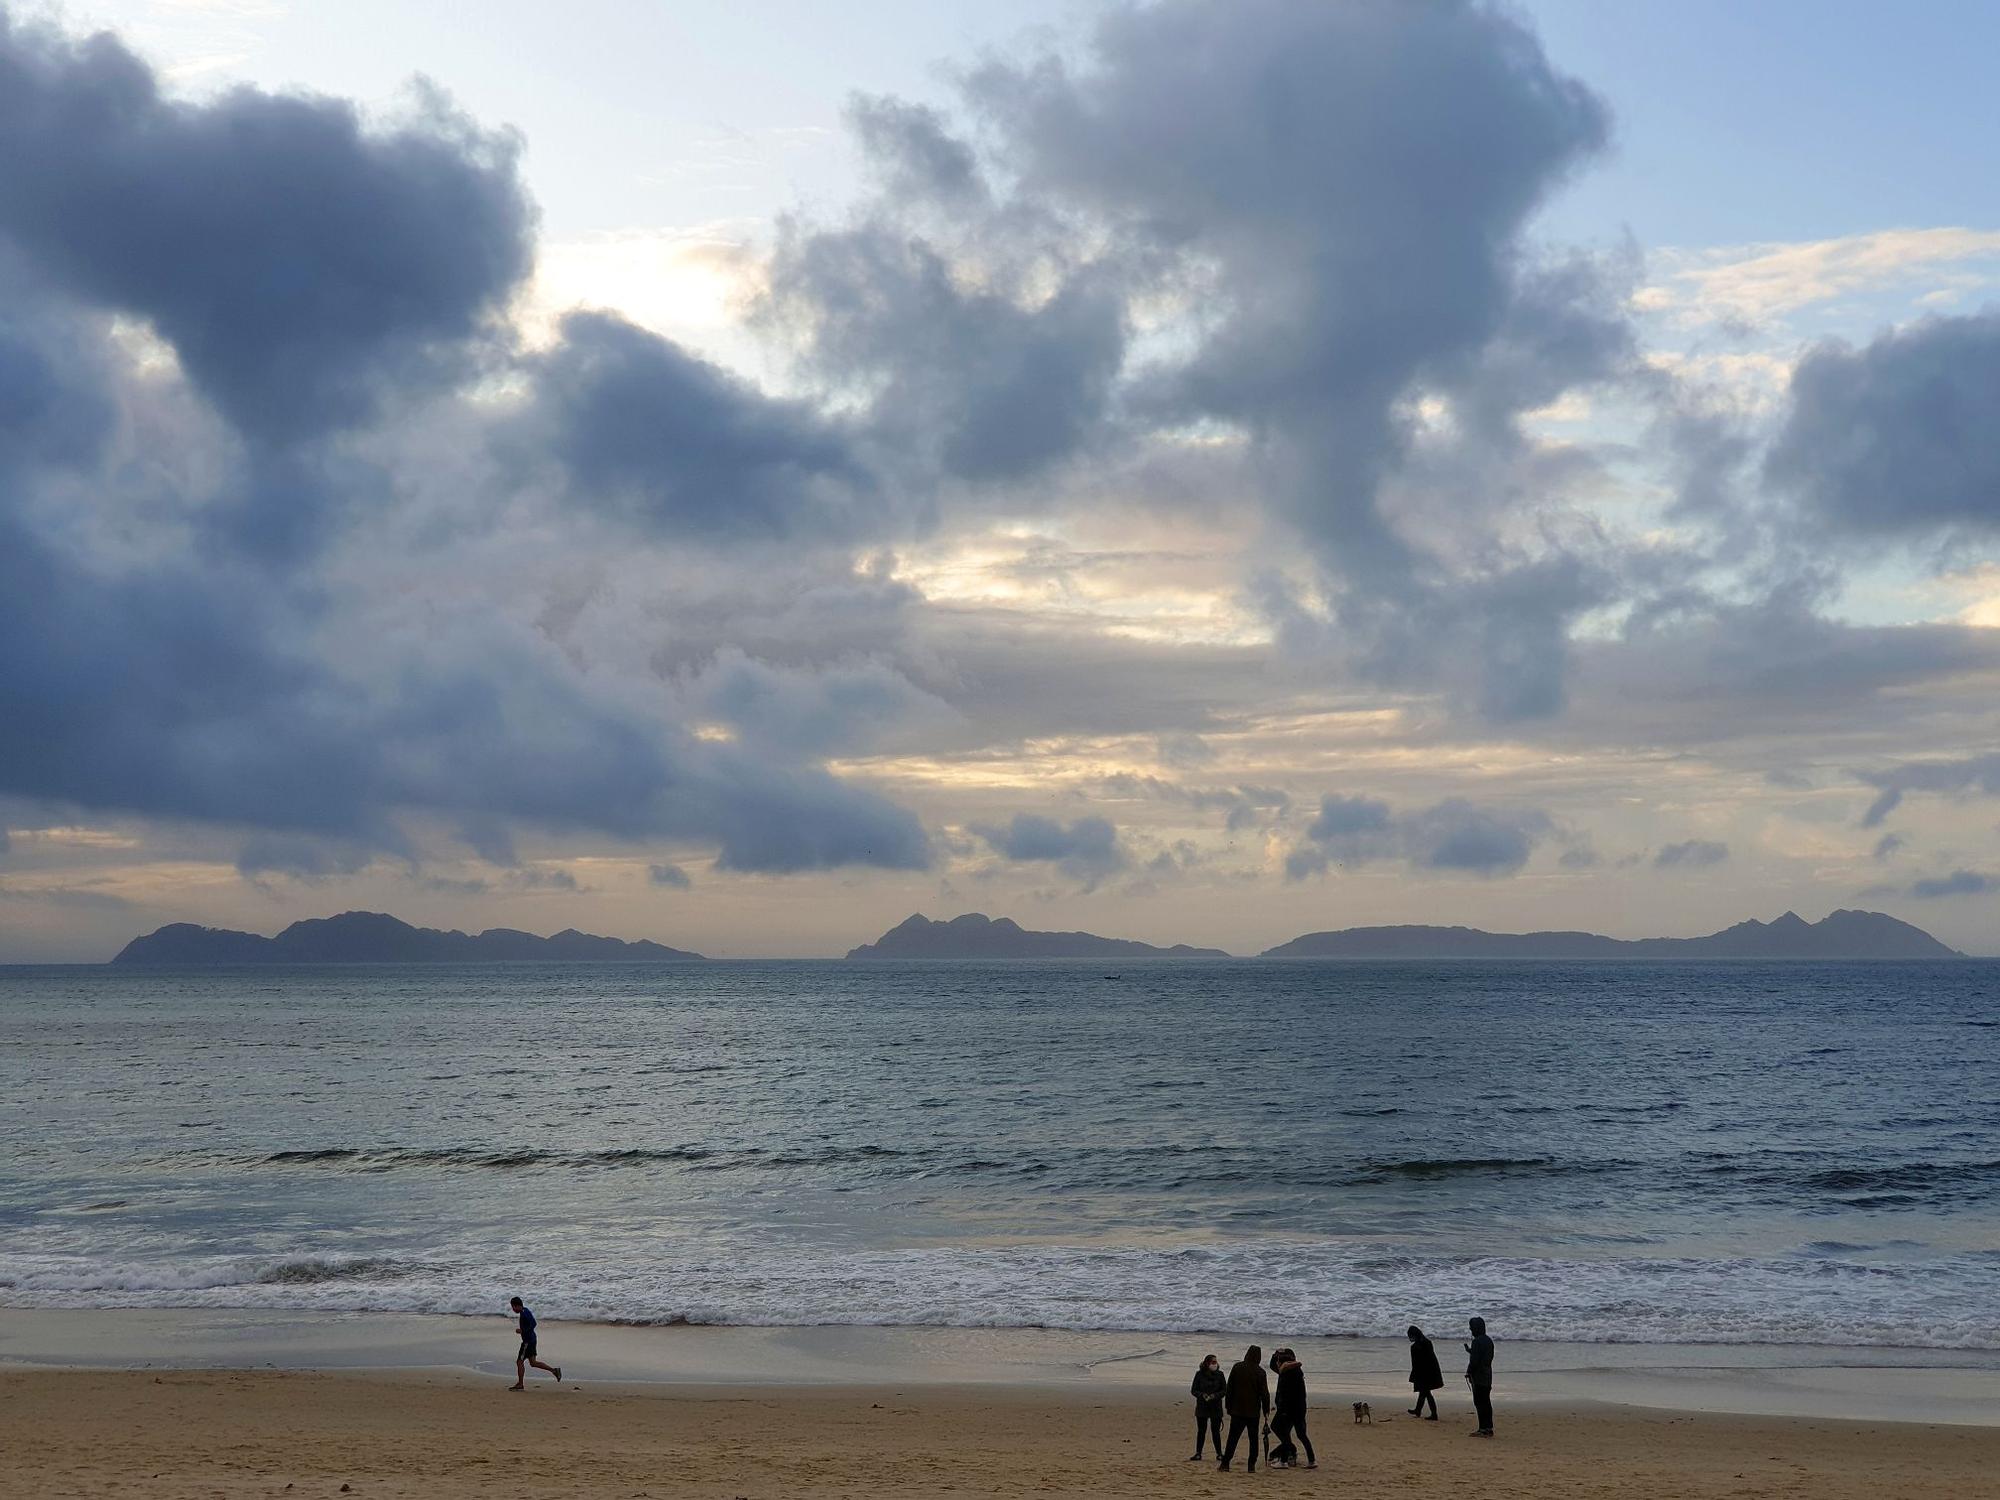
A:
[1245,1397]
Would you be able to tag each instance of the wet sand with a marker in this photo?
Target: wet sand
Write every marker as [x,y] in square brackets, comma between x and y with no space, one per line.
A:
[1903,1385]
[181,1434]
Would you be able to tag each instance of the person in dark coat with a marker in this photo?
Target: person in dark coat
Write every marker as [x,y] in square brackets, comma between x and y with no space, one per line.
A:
[1479,1375]
[1288,1412]
[1248,1397]
[1209,1385]
[1425,1376]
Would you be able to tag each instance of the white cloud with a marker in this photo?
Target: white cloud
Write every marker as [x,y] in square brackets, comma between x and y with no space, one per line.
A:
[1760,282]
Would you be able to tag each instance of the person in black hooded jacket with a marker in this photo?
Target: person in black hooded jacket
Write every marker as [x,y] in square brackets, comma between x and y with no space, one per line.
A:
[1479,1375]
[1248,1398]
[1209,1384]
[1425,1375]
[1288,1411]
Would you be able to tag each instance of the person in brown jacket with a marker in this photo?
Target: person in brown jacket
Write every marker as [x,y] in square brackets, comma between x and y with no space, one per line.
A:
[1249,1402]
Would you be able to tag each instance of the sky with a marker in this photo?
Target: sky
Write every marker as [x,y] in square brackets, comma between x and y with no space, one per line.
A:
[1190,471]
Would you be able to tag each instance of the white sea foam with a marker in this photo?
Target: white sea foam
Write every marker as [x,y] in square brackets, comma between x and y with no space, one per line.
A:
[1306,1290]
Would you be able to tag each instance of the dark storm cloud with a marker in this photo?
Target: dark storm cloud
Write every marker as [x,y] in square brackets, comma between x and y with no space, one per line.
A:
[971,382]
[1898,437]
[299,264]
[313,275]
[643,430]
[672,877]
[1978,773]
[1692,854]
[1087,849]
[1453,835]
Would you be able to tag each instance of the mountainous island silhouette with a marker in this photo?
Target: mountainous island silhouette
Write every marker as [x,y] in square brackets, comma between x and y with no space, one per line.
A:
[361,937]
[976,935]
[1841,935]
[371,937]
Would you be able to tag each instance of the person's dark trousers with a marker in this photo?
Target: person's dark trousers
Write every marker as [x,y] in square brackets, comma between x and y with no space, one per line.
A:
[1482,1402]
[1237,1427]
[1208,1423]
[1424,1398]
[1285,1429]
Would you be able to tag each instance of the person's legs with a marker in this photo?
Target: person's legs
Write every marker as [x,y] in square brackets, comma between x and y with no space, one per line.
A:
[1202,1422]
[551,1369]
[1236,1426]
[1299,1431]
[1429,1398]
[1482,1402]
[1281,1451]
[1214,1430]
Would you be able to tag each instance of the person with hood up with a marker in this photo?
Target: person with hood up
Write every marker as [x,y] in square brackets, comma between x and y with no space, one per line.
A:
[1288,1412]
[1248,1397]
[1425,1376]
[1479,1375]
[1209,1385]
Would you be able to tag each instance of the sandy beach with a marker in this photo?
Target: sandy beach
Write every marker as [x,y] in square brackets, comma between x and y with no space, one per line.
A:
[182,1434]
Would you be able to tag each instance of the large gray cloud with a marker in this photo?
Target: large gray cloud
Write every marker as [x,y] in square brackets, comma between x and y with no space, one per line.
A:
[972,383]
[1336,196]
[1898,436]
[299,264]
[1087,849]
[1454,835]
[304,270]
[642,429]
[1977,773]
[1957,883]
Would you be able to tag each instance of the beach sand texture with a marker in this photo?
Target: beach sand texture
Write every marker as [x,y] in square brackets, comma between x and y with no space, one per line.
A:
[179,1435]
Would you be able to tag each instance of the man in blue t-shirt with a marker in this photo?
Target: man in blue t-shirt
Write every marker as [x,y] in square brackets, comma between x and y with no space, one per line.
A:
[525,1356]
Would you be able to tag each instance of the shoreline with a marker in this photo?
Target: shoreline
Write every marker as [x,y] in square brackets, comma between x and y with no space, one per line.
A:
[450,1435]
[1949,1387]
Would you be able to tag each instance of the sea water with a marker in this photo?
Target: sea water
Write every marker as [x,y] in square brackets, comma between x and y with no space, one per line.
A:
[1599,1152]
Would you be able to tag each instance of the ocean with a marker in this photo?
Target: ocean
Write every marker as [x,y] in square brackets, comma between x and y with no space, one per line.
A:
[1596,1152]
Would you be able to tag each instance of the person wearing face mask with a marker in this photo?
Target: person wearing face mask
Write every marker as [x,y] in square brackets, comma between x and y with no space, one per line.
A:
[1207,1390]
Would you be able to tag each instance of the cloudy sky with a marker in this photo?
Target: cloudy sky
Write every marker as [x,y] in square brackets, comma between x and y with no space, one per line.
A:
[1194,471]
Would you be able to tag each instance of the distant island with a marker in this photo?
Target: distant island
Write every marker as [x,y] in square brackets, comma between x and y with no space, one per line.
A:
[1842,935]
[369,937]
[975,935]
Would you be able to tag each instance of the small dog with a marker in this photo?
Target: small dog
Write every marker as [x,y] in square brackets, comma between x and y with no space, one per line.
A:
[1363,1414]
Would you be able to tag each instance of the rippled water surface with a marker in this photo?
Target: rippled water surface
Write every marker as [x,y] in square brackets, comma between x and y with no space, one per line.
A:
[1683,1152]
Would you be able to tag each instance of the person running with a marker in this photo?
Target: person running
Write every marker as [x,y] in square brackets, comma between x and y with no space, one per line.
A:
[1425,1376]
[1209,1385]
[526,1354]
[1248,1397]
[1479,1375]
[1288,1414]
